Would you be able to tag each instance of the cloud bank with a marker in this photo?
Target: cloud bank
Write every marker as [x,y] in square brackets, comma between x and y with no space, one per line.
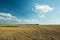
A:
[8,18]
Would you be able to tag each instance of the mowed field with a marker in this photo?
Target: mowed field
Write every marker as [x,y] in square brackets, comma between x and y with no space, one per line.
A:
[29,32]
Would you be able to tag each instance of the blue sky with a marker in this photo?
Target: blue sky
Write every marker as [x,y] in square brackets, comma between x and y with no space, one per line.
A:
[29,11]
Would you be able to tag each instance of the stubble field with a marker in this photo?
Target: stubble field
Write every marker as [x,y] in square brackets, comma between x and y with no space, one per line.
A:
[29,32]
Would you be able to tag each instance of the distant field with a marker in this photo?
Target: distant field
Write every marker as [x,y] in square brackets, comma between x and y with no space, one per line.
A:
[29,32]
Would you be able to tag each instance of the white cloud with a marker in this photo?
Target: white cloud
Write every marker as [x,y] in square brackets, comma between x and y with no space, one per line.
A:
[31,21]
[8,17]
[42,16]
[34,20]
[42,9]
[1,18]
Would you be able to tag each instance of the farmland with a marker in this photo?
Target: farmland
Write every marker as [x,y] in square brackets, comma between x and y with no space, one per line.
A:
[29,32]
